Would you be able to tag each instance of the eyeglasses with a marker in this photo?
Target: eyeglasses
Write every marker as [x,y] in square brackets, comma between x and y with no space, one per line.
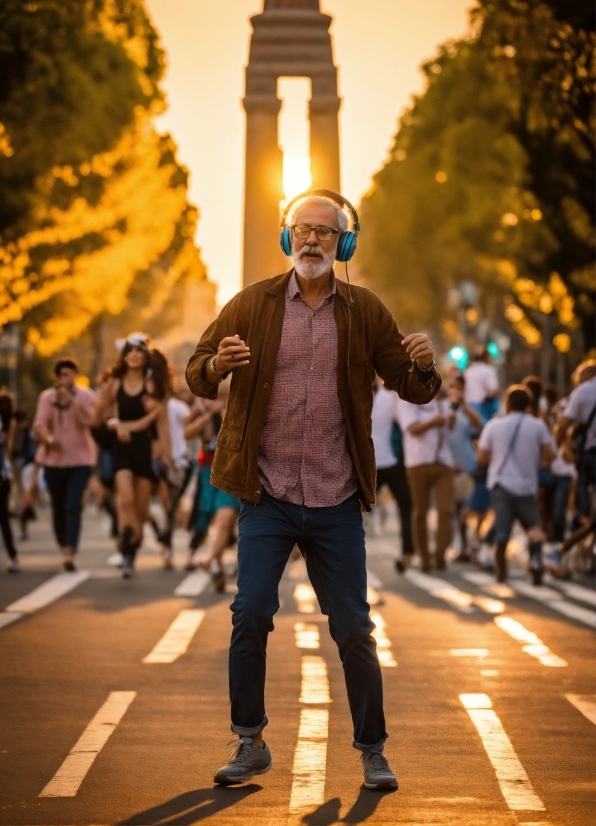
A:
[302,231]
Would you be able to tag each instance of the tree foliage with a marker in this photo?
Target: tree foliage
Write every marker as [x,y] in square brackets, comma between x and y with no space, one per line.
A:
[491,174]
[91,197]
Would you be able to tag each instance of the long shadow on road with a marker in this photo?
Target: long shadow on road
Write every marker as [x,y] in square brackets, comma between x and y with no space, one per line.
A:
[362,808]
[191,807]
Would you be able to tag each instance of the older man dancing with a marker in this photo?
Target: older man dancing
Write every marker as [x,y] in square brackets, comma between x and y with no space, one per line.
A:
[295,447]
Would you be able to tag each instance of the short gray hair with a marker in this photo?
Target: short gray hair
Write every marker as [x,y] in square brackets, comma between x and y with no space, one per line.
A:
[342,218]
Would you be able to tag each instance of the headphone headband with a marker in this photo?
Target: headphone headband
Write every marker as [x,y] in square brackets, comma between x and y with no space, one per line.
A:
[331,196]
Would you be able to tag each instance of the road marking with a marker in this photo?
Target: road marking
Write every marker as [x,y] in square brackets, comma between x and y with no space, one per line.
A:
[310,760]
[577,592]
[470,652]
[310,757]
[553,599]
[307,635]
[372,597]
[70,775]
[50,591]
[511,776]
[315,684]
[489,672]
[305,597]
[177,638]
[194,584]
[534,645]
[488,584]
[586,703]
[489,605]
[384,652]
[440,589]
[7,617]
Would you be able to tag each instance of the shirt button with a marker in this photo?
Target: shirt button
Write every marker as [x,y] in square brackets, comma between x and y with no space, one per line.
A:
[257,492]
[266,385]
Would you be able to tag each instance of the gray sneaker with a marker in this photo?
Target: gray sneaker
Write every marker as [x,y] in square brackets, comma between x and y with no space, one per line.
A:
[377,772]
[246,760]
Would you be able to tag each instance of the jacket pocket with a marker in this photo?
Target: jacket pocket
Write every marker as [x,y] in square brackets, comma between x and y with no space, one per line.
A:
[230,435]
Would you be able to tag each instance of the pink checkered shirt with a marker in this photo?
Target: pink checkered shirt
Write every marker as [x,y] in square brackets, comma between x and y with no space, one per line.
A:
[303,454]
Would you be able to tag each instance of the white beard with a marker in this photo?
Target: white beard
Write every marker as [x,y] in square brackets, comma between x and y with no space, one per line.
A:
[310,268]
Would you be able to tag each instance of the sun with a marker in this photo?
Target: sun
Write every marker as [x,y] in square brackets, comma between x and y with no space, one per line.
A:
[297,177]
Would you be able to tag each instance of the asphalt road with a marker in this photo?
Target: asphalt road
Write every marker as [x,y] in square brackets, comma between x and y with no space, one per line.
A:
[490,699]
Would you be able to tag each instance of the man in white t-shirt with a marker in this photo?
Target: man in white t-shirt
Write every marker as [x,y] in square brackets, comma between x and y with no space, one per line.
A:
[429,466]
[514,448]
[581,409]
[482,384]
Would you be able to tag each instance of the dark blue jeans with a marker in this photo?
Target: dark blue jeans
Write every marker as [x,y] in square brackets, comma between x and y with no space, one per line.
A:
[560,499]
[332,540]
[67,486]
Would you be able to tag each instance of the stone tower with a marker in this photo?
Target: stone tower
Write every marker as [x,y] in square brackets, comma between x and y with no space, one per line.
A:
[290,39]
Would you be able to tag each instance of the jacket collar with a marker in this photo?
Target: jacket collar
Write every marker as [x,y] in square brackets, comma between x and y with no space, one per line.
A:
[280,282]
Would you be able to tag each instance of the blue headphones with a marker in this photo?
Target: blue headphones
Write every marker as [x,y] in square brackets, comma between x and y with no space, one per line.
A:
[346,245]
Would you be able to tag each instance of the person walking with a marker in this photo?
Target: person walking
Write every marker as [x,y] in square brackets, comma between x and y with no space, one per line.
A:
[390,468]
[429,464]
[514,448]
[132,404]
[7,441]
[464,426]
[212,506]
[581,411]
[66,452]
[482,384]
[303,349]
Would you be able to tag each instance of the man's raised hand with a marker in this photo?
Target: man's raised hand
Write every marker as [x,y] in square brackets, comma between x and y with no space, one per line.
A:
[231,353]
[419,347]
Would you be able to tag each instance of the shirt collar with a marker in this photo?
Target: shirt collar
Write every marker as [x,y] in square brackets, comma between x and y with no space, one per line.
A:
[294,288]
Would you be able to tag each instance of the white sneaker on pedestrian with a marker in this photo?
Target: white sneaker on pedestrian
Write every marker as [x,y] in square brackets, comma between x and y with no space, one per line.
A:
[246,760]
[377,771]
[14,566]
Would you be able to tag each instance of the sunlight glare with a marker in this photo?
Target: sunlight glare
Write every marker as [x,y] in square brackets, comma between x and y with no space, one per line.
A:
[297,177]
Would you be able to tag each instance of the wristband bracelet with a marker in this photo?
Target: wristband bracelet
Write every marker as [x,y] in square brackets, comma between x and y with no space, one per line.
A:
[428,369]
[216,369]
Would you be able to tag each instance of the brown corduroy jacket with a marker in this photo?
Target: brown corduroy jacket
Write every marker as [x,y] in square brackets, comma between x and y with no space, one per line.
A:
[368,341]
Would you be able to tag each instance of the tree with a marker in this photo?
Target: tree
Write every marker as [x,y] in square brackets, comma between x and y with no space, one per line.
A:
[93,198]
[491,177]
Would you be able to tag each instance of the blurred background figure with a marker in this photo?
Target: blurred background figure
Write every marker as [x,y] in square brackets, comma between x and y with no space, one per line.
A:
[7,442]
[482,384]
[211,507]
[391,471]
[429,464]
[514,448]
[464,426]
[66,452]
[132,404]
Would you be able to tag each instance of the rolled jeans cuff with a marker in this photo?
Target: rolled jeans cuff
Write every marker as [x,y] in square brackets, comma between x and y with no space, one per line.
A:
[375,746]
[242,731]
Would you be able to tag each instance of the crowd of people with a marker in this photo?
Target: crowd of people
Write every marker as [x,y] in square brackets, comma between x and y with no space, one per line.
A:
[486,461]
[481,459]
[136,437]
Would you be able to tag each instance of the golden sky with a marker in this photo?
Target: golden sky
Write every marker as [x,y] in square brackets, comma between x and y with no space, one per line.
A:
[378,47]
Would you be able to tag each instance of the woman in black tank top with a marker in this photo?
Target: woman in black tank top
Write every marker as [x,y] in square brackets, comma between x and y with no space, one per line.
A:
[132,403]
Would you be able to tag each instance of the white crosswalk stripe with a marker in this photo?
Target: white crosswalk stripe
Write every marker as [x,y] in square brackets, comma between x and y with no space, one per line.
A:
[533,645]
[511,775]
[177,638]
[70,775]
[194,584]
[586,703]
[48,592]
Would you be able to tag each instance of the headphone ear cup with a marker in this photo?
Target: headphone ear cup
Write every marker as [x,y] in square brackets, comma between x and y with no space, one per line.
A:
[285,241]
[346,246]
